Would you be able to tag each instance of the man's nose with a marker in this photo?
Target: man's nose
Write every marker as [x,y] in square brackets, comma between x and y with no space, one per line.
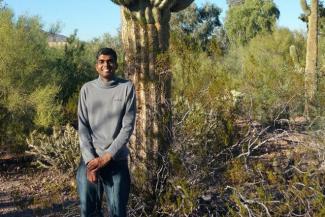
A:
[106,63]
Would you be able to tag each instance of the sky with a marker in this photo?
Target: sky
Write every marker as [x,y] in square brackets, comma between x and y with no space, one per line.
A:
[93,18]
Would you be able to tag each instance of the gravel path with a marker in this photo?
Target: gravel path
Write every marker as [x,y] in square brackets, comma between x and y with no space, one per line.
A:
[23,193]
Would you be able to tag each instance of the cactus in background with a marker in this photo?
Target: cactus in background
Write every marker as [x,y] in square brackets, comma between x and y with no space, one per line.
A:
[295,59]
[145,37]
[56,151]
[312,51]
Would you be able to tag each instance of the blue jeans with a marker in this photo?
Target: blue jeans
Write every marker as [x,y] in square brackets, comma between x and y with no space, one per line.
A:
[114,180]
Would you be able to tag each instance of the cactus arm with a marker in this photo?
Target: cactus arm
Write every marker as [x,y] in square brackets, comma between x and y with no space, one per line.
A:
[295,59]
[293,55]
[180,5]
[149,16]
[122,2]
[166,4]
[174,5]
[163,3]
[305,7]
[156,2]
[116,2]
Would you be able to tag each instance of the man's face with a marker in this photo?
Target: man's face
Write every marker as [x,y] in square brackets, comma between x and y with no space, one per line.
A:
[106,66]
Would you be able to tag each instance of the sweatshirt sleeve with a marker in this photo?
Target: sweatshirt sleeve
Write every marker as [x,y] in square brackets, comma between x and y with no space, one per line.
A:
[128,121]
[86,146]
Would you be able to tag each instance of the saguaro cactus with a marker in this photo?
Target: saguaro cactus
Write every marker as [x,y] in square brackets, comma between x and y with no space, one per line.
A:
[312,50]
[295,60]
[145,36]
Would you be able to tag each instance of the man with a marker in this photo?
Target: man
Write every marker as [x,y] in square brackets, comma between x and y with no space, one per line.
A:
[106,116]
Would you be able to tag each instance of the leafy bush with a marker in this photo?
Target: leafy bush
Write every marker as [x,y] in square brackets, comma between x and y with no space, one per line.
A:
[245,21]
[23,68]
[272,87]
[60,150]
[48,110]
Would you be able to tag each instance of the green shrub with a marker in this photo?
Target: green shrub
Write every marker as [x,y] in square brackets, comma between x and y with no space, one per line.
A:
[28,91]
[179,198]
[272,87]
[48,110]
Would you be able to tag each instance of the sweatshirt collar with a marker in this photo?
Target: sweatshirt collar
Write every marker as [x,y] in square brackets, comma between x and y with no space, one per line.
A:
[107,84]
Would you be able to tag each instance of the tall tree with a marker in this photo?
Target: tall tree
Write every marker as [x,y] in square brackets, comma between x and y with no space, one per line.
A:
[200,23]
[145,36]
[245,21]
[311,51]
[234,2]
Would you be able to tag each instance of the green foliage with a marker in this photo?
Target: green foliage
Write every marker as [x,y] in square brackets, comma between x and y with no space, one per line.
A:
[197,24]
[73,68]
[244,21]
[234,2]
[320,94]
[39,85]
[203,111]
[48,110]
[23,64]
[70,109]
[179,198]
[260,187]
[57,150]
[272,86]
[214,86]
[321,15]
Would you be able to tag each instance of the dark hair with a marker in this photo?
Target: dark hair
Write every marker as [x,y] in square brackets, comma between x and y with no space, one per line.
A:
[107,51]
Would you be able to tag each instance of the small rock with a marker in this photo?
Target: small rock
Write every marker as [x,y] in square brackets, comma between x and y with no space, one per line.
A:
[207,197]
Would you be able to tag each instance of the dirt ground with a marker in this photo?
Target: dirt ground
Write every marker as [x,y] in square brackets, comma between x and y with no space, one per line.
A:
[26,191]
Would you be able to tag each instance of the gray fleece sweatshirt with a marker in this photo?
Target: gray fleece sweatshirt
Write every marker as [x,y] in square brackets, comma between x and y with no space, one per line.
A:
[106,116]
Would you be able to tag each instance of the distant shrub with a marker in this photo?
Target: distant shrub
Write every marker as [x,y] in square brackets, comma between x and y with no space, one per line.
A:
[272,87]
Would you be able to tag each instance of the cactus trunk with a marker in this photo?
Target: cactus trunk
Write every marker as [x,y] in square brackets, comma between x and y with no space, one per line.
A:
[143,43]
[145,37]
[311,55]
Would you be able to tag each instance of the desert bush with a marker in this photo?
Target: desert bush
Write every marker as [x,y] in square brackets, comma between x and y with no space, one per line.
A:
[59,150]
[47,108]
[272,87]
[281,183]
[318,112]
[179,199]
[23,69]
[203,107]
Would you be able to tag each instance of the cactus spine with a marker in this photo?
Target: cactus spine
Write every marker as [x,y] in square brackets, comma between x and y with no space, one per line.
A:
[312,51]
[145,36]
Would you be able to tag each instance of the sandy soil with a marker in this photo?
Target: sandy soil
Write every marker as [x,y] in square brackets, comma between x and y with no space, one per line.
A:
[26,191]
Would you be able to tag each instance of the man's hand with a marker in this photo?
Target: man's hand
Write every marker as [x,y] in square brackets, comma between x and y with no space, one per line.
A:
[91,175]
[99,162]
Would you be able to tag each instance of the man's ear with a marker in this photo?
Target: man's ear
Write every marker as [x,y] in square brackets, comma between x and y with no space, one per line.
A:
[116,65]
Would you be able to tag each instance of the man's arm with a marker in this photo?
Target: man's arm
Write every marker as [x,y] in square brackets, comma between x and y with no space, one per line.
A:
[128,121]
[86,147]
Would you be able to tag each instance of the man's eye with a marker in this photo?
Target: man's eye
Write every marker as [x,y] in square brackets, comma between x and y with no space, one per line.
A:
[105,61]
